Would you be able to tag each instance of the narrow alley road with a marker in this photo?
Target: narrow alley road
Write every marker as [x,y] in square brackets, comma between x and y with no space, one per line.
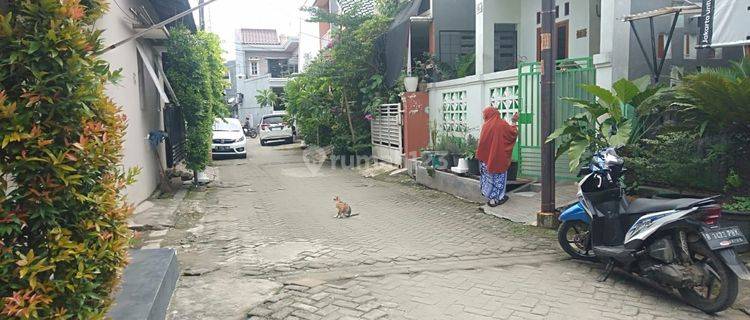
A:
[262,243]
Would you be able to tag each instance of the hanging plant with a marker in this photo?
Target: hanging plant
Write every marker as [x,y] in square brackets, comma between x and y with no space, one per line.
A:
[63,231]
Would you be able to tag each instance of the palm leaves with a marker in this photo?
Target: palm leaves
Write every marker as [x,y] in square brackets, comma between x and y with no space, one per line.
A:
[267,97]
[603,122]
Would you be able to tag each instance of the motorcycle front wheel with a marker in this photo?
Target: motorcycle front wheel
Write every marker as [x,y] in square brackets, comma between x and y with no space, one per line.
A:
[575,239]
[253,134]
[719,290]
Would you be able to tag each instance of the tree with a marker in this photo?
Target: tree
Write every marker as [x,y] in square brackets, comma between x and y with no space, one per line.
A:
[267,97]
[63,230]
[193,64]
[332,100]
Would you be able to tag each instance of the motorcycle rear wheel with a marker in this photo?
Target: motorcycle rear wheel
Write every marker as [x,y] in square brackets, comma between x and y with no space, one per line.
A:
[253,134]
[726,292]
[575,239]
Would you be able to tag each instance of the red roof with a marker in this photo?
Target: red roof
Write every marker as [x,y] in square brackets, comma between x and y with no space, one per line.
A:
[258,36]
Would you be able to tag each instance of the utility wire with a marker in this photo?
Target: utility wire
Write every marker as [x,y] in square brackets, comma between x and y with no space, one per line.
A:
[127,15]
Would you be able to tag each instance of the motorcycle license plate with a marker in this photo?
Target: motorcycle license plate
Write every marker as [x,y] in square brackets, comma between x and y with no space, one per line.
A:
[724,238]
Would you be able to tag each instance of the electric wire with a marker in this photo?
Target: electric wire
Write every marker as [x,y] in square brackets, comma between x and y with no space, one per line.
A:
[127,15]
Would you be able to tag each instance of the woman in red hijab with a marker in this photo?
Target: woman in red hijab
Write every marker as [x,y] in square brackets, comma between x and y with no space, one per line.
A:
[494,152]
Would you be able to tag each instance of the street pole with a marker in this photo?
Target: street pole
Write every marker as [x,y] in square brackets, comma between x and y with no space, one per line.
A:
[201,17]
[547,113]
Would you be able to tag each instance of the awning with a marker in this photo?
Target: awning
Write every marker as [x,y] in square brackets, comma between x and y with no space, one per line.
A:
[396,42]
[151,72]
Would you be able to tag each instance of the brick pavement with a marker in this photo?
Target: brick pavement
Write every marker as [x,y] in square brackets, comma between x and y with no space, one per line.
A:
[410,253]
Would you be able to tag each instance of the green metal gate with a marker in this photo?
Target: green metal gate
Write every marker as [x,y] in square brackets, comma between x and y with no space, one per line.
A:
[569,75]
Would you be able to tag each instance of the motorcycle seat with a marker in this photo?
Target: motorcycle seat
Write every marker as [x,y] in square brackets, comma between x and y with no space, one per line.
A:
[642,205]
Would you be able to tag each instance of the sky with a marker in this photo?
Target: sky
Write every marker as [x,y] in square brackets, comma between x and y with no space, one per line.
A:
[223,17]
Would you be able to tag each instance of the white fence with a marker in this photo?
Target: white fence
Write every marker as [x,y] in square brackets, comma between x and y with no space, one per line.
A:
[456,105]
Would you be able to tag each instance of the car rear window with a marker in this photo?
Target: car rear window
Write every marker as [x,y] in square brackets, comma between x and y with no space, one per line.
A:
[221,125]
[273,120]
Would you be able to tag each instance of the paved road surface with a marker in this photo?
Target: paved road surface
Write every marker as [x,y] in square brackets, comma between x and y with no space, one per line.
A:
[263,243]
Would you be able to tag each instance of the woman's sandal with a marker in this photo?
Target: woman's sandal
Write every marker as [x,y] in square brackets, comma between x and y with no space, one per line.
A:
[492,203]
[503,200]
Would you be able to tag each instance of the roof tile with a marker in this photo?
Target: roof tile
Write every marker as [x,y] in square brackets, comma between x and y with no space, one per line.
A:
[259,36]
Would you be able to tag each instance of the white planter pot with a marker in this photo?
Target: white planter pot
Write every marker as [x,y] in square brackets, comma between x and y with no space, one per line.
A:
[462,167]
[411,84]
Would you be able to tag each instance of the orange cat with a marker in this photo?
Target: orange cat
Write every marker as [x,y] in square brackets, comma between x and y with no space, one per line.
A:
[344,210]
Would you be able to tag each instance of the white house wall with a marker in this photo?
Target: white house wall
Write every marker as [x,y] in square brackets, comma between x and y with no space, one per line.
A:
[577,20]
[523,15]
[142,108]
[250,107]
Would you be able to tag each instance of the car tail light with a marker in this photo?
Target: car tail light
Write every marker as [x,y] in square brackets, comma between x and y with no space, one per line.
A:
[711,214]
[264,126]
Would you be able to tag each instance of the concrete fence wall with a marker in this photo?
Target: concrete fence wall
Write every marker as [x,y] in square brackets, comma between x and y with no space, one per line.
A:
[473,92]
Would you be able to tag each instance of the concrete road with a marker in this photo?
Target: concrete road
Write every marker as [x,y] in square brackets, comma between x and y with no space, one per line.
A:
[262,243]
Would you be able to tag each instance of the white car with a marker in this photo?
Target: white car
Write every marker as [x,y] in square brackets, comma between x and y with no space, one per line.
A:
[273,127]
[228,138]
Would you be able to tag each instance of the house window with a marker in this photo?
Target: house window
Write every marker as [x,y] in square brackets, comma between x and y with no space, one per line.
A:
[690,52]
[254,67]
[454,44]
[567,8]
[505,46]
[279,68]
[557,11]
[662,52]
[538,17]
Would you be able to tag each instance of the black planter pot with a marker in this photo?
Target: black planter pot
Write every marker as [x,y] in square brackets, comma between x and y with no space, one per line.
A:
[513,171]
[473,166]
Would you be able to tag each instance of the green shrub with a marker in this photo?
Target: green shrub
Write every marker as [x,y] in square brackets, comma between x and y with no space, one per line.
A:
[680,160]
[63,232]
[465,65]
[193,64]
[340,90]
[741,204]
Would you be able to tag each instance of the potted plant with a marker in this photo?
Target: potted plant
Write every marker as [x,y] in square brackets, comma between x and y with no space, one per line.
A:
[428,155]
[454,146]
[411,83]
[470,150]
[442,159]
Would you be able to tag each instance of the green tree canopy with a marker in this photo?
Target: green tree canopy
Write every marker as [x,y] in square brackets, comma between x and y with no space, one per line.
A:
[331,99]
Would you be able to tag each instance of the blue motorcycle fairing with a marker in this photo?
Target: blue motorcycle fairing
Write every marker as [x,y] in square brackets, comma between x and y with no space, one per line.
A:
[576,212]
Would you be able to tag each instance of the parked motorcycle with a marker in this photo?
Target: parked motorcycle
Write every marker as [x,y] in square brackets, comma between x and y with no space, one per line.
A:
[675,242]
[250,132]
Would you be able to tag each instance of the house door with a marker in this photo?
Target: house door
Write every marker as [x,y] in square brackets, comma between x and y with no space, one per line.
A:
[505,46]
[562,41]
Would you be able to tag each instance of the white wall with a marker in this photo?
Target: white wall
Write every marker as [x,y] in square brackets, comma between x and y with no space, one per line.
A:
[249,88]
[523,14]
[143,109]
[477,96]
[497,11]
